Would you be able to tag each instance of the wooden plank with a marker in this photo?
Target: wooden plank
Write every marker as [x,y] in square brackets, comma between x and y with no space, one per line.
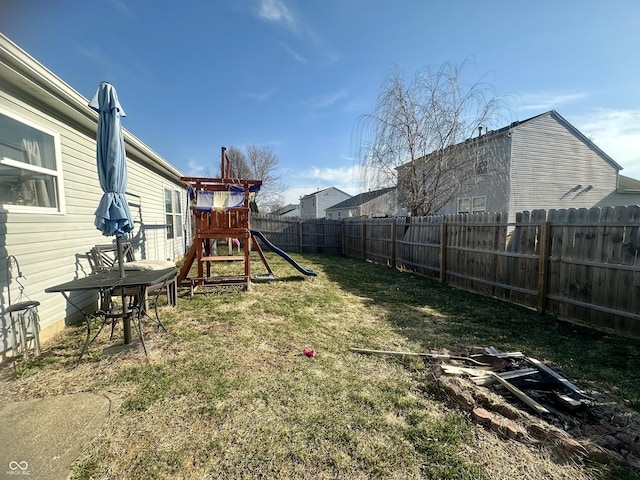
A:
[613,275]
[559,378]
[625,295]
[563,248]
[415,354]
[223,258]
[543,266]
[510,375]
[520,394]
[569,253]
[516,391]
[633,246]
[443,252]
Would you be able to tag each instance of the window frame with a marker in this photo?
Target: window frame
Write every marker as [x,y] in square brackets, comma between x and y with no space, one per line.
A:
[56,174]
[474,209]
[482,161]
[173,233]
[471,201]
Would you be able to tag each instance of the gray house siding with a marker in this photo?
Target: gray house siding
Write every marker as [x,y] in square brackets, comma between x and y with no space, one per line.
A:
[315,204]
[380,204]
[552,167]
[51,246]
[493,185]
[544,163]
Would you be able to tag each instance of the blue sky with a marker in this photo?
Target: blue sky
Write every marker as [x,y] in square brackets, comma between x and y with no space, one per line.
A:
[297,75]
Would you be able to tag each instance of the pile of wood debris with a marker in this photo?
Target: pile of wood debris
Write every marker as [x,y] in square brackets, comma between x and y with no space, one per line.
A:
[527,400]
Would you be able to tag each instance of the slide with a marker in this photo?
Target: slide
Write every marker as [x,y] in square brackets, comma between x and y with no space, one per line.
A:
[283,254]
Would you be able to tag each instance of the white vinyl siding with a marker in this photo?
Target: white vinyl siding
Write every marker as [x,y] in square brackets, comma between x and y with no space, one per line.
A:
[30,166]
[551,167]
[52,249]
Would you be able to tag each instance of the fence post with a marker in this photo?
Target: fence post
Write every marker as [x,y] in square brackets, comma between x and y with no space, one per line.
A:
[443,251]
[342,245]
[300,236]
[364,240]
[394,229]
[543,267]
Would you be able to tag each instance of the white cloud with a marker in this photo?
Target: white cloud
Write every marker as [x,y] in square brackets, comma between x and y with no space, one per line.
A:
[196,169]
[260,95]
[617,133]
[308,181]
[325,101]
[277,12]
[296,56]
[544,101]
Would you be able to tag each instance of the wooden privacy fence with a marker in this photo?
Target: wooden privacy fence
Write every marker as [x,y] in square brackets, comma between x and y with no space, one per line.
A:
[292,234]
[581,264]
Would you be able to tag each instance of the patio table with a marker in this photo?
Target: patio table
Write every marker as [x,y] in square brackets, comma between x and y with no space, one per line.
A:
[106,282]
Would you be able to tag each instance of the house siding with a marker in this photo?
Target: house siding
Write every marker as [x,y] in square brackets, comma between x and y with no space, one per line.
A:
[494,185]
[315,204]
[548,161]
[52,248]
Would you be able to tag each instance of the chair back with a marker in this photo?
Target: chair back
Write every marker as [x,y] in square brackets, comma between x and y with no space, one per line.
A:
[105,257]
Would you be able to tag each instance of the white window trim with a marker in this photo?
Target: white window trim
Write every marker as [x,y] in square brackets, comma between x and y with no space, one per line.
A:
[471,209]
[57,173]
[485,204]
[177,235]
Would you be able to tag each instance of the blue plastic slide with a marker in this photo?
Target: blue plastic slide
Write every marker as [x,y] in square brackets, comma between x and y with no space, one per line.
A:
[283,254]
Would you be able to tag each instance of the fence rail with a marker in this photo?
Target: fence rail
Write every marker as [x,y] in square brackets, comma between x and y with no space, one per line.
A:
[581,264]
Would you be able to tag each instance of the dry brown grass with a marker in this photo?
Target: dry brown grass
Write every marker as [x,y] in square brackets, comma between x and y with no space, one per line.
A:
[227,394]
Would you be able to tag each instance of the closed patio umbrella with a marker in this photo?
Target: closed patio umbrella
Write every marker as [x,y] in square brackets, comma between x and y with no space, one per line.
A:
[113,216]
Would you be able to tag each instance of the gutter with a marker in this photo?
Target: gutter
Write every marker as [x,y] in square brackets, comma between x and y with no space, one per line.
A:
[21,74]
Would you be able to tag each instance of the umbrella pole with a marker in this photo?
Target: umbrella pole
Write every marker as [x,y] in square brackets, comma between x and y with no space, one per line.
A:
[126,320]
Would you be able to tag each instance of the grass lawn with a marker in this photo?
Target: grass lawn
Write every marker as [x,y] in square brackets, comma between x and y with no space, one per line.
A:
[227,393]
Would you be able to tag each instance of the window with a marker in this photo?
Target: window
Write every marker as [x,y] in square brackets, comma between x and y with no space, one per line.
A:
[177,214]
[173,213]
[472,205]
[478,204]
[464,205]
[482,161]
[30,167]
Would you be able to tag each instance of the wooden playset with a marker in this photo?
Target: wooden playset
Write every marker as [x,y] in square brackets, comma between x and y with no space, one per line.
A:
[219,210]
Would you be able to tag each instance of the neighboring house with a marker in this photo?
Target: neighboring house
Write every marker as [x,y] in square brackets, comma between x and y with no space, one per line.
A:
[315,204]
[49,189]
[379,203]
[290,210]
[543,162]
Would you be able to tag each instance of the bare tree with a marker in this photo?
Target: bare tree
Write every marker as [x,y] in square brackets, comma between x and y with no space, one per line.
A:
[238,164]
[259,163]
[418,137]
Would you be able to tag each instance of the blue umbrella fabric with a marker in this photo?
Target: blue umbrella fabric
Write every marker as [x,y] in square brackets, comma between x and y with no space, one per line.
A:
[113,216]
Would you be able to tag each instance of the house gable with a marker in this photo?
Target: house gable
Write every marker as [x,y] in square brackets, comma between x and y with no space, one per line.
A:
[314,204]
[553,165]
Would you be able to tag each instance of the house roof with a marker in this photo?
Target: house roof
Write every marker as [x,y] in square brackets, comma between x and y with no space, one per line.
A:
[559,118]
[323,190]
[574,130]
[360,199]
[19,70]
[286,209]
[628,184]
